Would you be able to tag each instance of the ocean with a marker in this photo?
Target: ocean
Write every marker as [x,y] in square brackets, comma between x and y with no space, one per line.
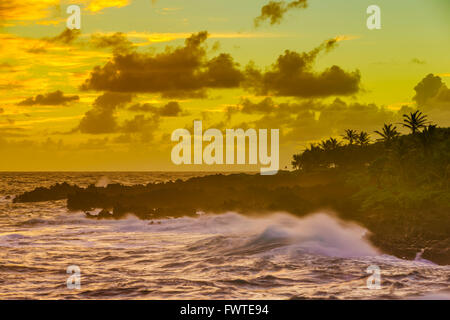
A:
[212,256]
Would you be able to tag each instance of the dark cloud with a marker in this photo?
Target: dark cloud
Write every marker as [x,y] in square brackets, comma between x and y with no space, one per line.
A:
[177,72]
[101,118]
[274,11]
[171,109]
[186,72]
[222,72]
[314,119]
[264,106]
[117,41]
[66,37]
[36,49]
[428,88]
[2,110]
[292,75]
[140,123]
[143,107]
[433,98]
[50,99]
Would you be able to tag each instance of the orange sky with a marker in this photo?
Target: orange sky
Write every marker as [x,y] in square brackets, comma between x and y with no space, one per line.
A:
[108,96]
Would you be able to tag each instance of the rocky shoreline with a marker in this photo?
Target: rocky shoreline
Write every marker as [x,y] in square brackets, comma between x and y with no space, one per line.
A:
[425,231]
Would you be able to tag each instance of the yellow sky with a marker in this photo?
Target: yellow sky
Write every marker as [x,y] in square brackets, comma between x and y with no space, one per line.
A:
[55,112]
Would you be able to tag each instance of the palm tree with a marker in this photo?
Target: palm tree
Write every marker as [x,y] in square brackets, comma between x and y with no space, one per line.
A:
[363,139]
[330,144]
[350,135]
[414,121]
[388,134]
[427,137]
[308,159]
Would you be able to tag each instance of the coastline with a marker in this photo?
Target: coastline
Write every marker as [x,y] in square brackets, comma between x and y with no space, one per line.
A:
[398,231]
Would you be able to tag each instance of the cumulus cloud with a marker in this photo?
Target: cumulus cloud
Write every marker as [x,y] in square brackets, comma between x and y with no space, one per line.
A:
[433,97]
[101,118]
[313,119]
[171,109]
[292,75]
[274,11]
[49,99]
[140,123]
[143,107]
[187,72]
[117,41]
[431,88]
[177,72]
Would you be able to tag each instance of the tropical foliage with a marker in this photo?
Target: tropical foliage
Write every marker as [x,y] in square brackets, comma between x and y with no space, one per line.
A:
[394,170]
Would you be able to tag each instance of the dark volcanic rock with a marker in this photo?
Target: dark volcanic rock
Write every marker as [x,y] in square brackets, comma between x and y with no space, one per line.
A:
[399,232]
[58,191]
[438,252]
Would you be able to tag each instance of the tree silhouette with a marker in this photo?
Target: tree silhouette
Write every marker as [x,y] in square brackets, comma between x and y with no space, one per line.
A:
[427,137]
[363,139]
[330,144]
[388,133]
[414,121]
[351,136]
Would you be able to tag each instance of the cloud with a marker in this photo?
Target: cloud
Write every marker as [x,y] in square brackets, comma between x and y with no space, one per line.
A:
[2,110]
[23,10]
[275,11]
[117,41]
[12,132]
[429,88]
[171,109]
[36,10]
[143,107]
[418,61]
[222,72]
[186,72]
[140,124]
[98,5]
[311,120]
[264,106]
[101,118]
[292,75]
[49,99]
[433,97]
[66,37]
[180,72]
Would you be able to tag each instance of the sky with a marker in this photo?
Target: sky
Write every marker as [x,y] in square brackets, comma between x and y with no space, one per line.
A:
[108,96]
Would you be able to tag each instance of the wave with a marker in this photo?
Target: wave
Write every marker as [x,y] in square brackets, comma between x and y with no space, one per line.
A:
[319,233]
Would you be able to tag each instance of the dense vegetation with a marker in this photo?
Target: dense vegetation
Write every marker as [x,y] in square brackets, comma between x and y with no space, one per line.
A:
[404,171]
[397,187]
[402,181]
